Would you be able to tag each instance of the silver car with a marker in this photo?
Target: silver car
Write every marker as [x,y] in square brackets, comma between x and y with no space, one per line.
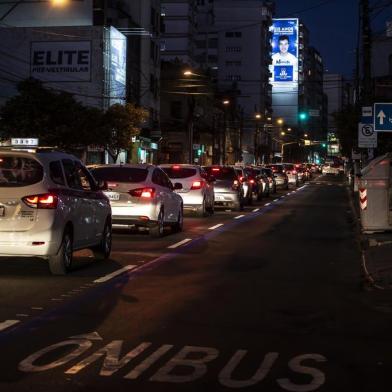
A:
[227,188]
[197,187]
[292,173]
[141,196]
[281,178]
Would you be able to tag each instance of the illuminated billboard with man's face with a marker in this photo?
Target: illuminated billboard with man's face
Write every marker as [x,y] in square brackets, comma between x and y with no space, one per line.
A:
[284,68]
[284,43]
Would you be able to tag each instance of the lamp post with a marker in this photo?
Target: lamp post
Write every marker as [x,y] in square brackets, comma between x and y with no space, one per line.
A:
[256,138]
[225,103]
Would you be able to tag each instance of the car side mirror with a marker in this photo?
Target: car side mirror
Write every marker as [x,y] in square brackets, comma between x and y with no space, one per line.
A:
[102,185]
[177,186]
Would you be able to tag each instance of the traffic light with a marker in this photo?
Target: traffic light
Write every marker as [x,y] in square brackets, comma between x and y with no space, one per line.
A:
[303,116]
[323,145]
[199,152]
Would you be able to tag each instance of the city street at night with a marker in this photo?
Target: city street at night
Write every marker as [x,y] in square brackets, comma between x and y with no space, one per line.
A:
[266,299]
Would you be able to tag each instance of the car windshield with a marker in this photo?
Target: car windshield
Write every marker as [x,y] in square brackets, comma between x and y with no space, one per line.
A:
[175,172]
[120,174]
[16,171]
[222,173]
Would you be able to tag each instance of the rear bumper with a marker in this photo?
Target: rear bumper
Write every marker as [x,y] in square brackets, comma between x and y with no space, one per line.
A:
[192,199]
[27,249]
[223,199]
[141,215]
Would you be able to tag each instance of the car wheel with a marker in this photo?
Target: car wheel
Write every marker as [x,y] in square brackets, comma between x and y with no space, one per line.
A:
[61,263]
[158,229]
[178,226]
[102,251]
[202,210]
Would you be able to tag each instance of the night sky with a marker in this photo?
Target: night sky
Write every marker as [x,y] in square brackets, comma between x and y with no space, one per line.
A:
[333,28]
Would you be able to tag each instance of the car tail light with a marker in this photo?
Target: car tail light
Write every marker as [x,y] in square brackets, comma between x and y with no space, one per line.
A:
[241,179]
[294,172]
[145,193]
[251,181]
[236,183]
[197,185]
[215,169]
[112,185]
[46,201]
[176,167]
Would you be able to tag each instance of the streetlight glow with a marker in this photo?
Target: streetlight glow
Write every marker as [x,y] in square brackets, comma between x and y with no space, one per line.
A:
[283,133]
[226,102]
[258,116]
[280,121]
[186,73]
[59,3]
[306,135]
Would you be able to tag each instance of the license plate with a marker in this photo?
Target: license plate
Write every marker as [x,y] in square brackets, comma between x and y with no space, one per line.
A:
[219,198]
[113,196]
[2,211]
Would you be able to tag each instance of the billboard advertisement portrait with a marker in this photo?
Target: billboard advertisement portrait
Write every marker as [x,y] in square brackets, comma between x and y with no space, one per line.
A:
[117,66]
[284,52]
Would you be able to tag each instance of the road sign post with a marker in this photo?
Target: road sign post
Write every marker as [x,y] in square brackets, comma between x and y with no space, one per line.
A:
[367,137]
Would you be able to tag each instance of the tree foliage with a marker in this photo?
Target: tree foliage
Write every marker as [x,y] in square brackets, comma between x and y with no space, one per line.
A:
[57,119]
[119,124]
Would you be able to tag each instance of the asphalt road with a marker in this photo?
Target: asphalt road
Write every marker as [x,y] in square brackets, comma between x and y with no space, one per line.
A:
[268,299]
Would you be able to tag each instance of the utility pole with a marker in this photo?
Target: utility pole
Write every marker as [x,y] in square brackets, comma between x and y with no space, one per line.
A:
[366,33]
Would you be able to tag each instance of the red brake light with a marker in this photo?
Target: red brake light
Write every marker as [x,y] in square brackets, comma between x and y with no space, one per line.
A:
[145,193]
[112,185]
[215,169]
[241,179]
[252,181]
[176,167]
[197,185]
[46,201]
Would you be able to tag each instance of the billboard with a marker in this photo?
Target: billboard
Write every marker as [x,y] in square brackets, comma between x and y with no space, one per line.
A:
[284,53]
[117,66]
[284,68]
[61,61]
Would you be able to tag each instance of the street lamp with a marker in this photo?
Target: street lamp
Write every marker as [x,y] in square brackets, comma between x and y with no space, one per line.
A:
[226,102]
[283,133]
[58,3]
[280,121]
[185,73]
[258,116]
[289,129]
[306,135]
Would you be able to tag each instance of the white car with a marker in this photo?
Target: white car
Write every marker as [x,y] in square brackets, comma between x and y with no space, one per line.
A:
[50,205]
[197,188]
[330,168]
[141,196]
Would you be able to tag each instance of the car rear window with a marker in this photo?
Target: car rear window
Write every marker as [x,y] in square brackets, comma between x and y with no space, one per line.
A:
[120,174]
[276,168]
[18,171]
[222,173]
[181,172]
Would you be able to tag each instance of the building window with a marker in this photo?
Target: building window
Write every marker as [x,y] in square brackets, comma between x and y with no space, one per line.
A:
[201,44]
[233,34]
[233,63]
[233,49]
[213,43]
[233,78]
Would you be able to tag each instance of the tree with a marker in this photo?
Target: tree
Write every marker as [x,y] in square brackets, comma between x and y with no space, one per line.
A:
[119,124]
[56,118]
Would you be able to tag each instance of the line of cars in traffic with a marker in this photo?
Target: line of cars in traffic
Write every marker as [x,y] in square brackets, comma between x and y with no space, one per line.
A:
[52,205]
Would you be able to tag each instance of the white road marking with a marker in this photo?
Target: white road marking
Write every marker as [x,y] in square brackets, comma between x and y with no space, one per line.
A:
[115,273]
[216,226]
[7,324]
[282,197]
[178,244]
[276,200]
[239,217]
[89,336]
[266,205]
[256,210]
[21,315]
[36,308]
[56,299]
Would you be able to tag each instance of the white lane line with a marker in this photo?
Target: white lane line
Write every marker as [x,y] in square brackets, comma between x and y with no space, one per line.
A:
[36,308]
[7,324]
[256,210]
[276,200]
[56,299]
[266,205]
[115,273]
[216,226]
[239,217]
[183,242]
[21,315]
[282,197]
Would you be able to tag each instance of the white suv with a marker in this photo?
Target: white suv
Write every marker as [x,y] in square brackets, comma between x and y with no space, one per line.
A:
[50,206]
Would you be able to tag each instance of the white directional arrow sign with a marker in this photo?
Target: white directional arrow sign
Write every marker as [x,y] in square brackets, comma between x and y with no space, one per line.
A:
[381,116]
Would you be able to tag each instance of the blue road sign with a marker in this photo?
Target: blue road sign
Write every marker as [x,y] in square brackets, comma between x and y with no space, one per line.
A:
[383,117]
